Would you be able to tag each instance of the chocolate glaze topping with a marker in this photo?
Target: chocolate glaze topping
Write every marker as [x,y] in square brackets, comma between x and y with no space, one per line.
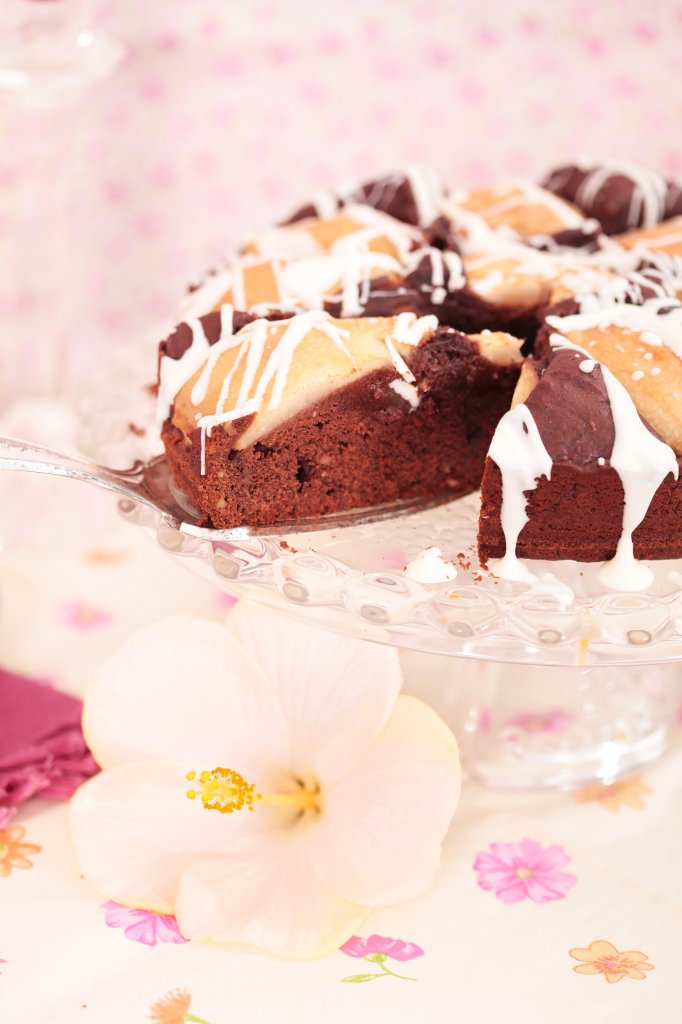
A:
[392,194]
[612,203]
[572,411]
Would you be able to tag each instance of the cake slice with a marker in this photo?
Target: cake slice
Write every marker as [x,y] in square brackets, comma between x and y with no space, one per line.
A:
[586,464]
[273,420]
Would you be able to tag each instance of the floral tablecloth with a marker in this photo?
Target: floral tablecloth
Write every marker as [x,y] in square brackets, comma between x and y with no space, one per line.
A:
[548,906]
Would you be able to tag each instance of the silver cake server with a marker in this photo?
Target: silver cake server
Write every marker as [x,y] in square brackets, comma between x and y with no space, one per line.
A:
[151,484]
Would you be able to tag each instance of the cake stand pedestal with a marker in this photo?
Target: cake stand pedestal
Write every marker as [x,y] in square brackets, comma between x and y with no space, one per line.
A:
[548,726]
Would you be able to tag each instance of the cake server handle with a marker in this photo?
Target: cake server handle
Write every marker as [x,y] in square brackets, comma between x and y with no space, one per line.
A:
[33,458]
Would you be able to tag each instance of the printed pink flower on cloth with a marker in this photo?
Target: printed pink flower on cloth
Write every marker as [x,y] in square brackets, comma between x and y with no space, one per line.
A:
[346,788]
[396,949]
[84,616]
[525,870]
[142,925]
[376,950]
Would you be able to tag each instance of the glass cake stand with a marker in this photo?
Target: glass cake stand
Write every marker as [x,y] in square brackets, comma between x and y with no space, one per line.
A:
[552,684]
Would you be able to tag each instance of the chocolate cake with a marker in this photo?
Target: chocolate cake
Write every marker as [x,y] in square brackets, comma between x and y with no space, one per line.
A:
[586,463]
[366,350]
[310,415]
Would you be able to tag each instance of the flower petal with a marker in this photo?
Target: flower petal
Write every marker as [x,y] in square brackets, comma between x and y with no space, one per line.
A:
[336,692]
[586,969]
[549,859]
[491,881]
[135,831]
[262,891]
[397,949]
[516,892]
[545,888]
[598,948]
[379,836]
[184,688]
[488,862]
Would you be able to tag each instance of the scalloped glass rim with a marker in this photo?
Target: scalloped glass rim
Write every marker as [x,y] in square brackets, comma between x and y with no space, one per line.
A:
[345,573]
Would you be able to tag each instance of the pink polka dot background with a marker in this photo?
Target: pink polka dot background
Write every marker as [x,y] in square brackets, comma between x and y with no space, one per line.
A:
[224,116]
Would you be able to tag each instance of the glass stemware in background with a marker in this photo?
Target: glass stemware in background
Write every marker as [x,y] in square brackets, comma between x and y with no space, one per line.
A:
[49,47]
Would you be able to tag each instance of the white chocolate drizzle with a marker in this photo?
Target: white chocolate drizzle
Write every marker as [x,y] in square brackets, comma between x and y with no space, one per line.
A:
[649,194]
[642,462]
[263,376]
[659,318]
[522,458]
[174,372]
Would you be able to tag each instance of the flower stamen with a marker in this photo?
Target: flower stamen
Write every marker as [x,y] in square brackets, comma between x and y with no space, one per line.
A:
[222,790]
[225,790]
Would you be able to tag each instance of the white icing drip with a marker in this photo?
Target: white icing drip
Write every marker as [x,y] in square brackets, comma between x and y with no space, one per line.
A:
[250,343]
[587,365]
[312,282]
[255,339]
[437,277]
[601,461]
[518,450]
[277,367]
[640,319]
[224,342]
[296,241]
[642,462]
[430,567]
[426,192]
[325,203]
[207,296]
[456,278]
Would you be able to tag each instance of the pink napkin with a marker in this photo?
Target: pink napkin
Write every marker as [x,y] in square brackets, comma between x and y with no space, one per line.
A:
[42,750]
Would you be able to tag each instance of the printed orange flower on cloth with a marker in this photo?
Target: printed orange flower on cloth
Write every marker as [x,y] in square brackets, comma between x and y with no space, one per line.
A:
[173,1008]
[14,853]
[601,957]
[622,793]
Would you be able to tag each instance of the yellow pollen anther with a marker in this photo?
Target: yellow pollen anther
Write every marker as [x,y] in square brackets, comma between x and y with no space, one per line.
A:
[222,790]
[225,790]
